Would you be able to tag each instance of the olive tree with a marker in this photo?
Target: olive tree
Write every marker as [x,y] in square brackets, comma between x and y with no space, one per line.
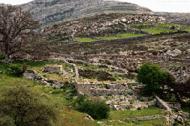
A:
[16,27]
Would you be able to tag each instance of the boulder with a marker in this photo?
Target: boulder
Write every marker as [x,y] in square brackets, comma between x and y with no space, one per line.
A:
[30,74]
[58,69]
[188,50]
[88,117]
[174,53]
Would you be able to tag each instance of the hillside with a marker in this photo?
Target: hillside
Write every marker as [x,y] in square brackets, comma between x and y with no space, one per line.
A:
[62,10]
[85,61]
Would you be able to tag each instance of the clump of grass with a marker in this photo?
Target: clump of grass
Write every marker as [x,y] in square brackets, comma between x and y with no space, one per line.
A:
[120,36]
[85,39]
[109,37]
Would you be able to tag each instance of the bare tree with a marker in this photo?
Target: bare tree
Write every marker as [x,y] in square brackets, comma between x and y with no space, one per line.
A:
[16,27]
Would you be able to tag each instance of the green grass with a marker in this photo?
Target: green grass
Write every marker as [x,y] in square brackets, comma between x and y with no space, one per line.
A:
[130,114]
[152,29]
[120,36]
[120,118]
[108,37]
[156,122]
[81,39]
[186,28]
[54,97]
[159,28]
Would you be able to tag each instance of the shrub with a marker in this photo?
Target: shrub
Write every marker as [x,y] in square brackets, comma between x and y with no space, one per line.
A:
[70,91]
[153,77]
[6,121]
[24,108]
[15,70]
[96,109]
[2,57]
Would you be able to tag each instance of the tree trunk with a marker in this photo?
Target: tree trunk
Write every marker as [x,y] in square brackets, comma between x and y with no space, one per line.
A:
[7,51]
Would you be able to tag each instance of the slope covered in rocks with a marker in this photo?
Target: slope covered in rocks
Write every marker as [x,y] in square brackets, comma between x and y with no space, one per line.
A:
[48,11]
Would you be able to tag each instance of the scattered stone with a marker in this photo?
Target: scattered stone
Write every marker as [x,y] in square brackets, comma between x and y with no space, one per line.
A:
[88,117]
[30,74]
[188,50]
[174,53]
[58,69]
[99,75]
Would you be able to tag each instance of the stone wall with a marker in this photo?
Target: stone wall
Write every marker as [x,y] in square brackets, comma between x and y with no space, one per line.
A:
[102,89]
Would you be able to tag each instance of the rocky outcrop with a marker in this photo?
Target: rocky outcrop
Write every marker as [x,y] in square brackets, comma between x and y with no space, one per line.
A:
[60,10]
[33,75]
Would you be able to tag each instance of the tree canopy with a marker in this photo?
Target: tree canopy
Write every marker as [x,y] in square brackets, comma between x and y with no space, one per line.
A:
[16,27]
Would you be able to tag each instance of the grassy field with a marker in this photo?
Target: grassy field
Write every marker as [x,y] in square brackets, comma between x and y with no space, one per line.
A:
[66,115]
[130,114]
[83,39]
[109,37]
[161,28]
[120,36]
[124,118]
[54,97]
[152,29]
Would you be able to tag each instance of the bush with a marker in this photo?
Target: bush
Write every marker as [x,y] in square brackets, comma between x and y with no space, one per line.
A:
[15,70]
[70,91]
[96,109]
[153,77]
[24,108]
[6,121]
[2,57]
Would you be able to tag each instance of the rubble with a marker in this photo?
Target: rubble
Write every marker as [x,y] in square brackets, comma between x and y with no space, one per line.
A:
[53,69]
[174,53]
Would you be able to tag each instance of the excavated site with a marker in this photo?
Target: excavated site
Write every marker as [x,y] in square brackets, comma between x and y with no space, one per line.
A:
[93,51]
[169,51]
[108,69]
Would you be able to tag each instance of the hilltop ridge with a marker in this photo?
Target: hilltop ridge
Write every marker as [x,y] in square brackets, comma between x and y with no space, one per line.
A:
[51,11]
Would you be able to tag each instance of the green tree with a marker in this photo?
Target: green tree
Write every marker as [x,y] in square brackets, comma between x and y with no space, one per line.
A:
[153,77]
[20,106]
[95,108]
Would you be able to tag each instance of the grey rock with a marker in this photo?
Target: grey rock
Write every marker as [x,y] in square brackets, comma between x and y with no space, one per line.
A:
[174,53]
[58,69]
[188,50]
[30,74]
[61,10]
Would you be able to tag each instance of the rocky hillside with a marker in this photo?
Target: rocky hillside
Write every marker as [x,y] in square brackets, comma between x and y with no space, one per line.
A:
[48,11]
[101,25]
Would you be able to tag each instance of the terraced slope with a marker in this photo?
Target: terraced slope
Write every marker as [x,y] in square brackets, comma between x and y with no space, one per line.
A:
[170,51]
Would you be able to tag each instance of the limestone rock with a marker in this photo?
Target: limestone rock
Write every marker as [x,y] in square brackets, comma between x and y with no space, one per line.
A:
[48,11]
[88,117]
[188,50]
[174,53]
[30,74]
[58,69]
